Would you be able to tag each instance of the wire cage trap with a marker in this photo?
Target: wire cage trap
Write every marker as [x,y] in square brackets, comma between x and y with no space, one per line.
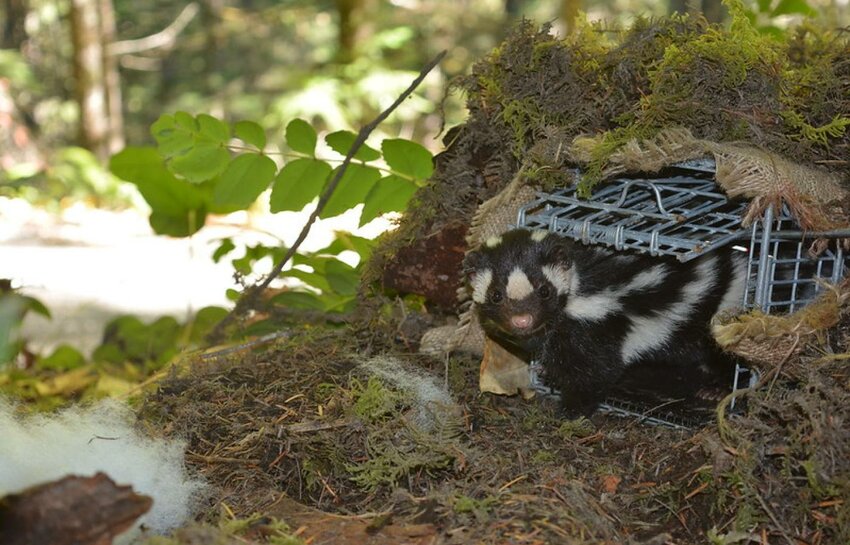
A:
[682,212]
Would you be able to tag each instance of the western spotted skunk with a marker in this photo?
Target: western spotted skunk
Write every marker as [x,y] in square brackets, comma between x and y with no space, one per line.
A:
[589,315]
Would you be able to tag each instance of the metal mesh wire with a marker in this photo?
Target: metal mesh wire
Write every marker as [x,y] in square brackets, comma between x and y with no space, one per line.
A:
[683,213]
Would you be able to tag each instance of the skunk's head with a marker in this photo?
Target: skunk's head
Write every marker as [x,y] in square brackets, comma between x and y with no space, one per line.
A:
[520,280]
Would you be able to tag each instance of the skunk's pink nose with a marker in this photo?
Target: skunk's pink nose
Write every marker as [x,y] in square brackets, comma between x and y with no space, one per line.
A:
[522,321]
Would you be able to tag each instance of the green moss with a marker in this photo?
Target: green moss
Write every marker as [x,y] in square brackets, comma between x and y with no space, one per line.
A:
[580,427]
[374,402]
[836,128]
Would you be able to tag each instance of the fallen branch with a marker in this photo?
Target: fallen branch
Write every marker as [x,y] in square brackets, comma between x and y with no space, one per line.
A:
[164,38]
[252,293]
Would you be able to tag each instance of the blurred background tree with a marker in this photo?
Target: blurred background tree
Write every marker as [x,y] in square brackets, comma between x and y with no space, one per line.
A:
[97,73]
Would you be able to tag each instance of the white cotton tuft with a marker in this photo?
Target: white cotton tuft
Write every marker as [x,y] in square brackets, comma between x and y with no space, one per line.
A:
[82,441]
[432,401]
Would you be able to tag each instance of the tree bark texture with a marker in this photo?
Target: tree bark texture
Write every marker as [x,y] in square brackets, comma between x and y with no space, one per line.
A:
[98,89]
[14,32]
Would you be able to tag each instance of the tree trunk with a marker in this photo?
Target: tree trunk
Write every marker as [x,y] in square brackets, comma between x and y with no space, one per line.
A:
[678,6]
[98,88]
[353,28]
[713,10]
[14,32]
[568,13]
[112,80]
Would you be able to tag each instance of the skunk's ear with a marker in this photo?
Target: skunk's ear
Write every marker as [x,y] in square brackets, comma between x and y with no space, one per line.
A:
[557,249]
[472,263]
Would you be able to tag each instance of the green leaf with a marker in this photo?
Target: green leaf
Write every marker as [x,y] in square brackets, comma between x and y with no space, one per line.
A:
[204,322]
[298,299]
[204,161]
[355,184]
[793,7]
[64,358]
[178,207]
[251,133]
[312,279]
[179,225]
[389,194]
[173,138]
[298,183]
[245,178]
[408,158]
[342,278]
[341,142]
[301,137]
[225,247]
[213,130]
[346,241]
[36,306]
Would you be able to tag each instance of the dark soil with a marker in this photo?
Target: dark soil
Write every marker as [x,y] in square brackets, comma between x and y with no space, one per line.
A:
[304,421]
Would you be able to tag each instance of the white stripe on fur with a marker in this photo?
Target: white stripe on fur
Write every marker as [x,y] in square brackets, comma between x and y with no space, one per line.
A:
[560,277]
[654,331]
[734,296]
[480,283]
[538,235]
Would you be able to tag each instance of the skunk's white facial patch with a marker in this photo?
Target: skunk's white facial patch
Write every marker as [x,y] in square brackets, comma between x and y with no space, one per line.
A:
[538,235]
[519,286]
[480,283]
[492,242]
[560,277]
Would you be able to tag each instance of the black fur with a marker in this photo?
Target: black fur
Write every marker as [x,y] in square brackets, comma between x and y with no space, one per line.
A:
[584,355]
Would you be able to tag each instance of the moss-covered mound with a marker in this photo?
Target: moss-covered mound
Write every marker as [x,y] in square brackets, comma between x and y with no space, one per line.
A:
[536,93]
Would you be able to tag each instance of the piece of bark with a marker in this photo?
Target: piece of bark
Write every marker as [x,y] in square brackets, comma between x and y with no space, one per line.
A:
[430,266]
[71,511]
[502,372]
[320,528]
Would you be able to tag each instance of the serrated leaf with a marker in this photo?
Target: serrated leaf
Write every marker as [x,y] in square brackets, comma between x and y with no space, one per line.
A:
[389,194]
[245,178]
[204,161]
[355,184]
[251,133]
[408,158]
[301,137]
[341,142]
[212,130]
[793,7]
[342,278]
[298,183]
[298,299]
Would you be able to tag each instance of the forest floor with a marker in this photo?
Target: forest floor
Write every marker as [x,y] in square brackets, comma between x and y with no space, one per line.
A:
[346,447]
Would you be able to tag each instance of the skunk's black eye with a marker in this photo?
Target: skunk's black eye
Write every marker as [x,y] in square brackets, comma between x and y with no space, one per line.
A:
[543,291]
[496,297]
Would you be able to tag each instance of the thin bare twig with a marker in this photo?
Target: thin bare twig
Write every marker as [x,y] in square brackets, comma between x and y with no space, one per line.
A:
[251,294]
